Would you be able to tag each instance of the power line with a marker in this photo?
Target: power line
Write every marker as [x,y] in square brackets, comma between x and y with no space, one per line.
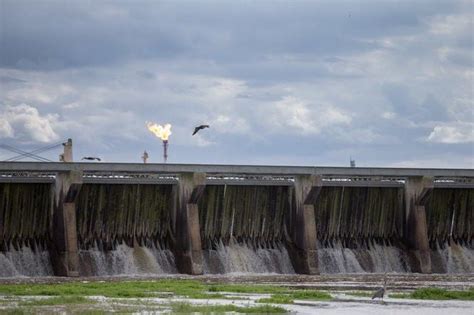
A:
[23,153]
[33,154]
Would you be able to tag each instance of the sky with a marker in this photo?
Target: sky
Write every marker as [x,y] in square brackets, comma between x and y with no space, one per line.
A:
[388,83]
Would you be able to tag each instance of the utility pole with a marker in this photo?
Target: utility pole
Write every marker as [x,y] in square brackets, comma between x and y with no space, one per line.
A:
[67,155]
[144,157]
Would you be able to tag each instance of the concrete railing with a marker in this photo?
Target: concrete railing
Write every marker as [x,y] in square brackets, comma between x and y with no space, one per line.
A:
[130,173]
[230,169]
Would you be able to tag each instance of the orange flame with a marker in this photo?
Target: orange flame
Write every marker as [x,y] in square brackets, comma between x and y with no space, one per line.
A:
[162,132]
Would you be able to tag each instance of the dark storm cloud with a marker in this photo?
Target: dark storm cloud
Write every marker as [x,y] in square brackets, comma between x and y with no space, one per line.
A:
[52,35]
[58,34]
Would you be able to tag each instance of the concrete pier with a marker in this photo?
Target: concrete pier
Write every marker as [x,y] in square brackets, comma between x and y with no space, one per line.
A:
[188,247]
[417,193]
[64,249]
[304,256]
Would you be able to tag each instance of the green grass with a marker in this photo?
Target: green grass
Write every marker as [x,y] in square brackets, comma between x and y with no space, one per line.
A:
[220,309]
[187,288]
[16,311]
[277,299]
[436,294]
[158,288]
[74,295]
[296,295]
[58,300]
[310,295]
[97,312]
[361,293]
[246,288]
[276,290]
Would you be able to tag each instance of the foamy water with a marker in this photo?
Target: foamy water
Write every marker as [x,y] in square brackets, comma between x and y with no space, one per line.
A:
[453,259]
[378,258]
[125,260]
[243,258]
[25,262]
[235,258]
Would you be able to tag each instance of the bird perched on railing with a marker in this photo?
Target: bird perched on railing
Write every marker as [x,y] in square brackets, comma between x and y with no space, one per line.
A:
[199,128]
[381,292]
[91,158]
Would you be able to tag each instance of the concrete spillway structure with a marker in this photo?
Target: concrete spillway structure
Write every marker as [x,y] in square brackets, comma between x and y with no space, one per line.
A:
[109,218]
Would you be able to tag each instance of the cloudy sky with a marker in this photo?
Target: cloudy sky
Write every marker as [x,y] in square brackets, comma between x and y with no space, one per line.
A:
[280,82]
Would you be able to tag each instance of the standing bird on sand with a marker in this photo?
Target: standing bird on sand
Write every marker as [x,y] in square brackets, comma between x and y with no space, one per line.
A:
[380,292]
[199,128]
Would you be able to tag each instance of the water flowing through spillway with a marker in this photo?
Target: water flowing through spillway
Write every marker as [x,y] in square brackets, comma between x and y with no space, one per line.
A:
[450,219]
[235,258]
[111,219]
[453,259]
[25,220]
[125,229]
[243,229]
[357,227]
[125,260]
[25,262]
[243,258]
[376,258]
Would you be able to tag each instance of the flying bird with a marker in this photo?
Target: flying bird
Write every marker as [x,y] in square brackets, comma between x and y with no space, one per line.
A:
[91,158]
[199,128]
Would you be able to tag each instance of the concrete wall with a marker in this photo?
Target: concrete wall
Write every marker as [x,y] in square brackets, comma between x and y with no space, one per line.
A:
[190,187]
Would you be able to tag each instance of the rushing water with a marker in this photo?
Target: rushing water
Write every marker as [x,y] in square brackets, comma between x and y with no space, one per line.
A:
[453,259]
[377,258]
[236,258]
[25,262]
[243,258]
[125,260]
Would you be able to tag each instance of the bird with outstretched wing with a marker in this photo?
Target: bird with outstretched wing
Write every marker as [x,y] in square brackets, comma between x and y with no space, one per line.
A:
[196,129]
[91,158]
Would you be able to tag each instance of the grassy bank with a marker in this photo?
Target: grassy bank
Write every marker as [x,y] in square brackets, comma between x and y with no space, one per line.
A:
[361,293]
[128,296]
[58,300]
[87,297]
[436,294]
[136,289]
[160,288]
[221,309]
[289,298]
